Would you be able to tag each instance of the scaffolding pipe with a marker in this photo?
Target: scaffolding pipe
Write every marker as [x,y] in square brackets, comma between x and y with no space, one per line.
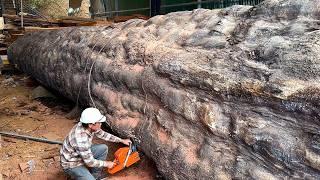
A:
[14,5]
[116,6]
[29,138]
[199,4]
[21,10]
[150,8]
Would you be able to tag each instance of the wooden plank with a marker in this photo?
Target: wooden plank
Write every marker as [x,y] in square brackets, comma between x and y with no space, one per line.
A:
[103,23]
[60,20]
[16,36]
[3,51]
[34,29]
[10,11]
[69,22]
[10,26]
[27,18]
[8,68]
[125,18]
[72,18]
[2,44]
[16,31]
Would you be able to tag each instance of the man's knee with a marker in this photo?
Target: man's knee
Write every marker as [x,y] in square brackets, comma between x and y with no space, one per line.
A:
[99,150]
[80,173]
[104,148]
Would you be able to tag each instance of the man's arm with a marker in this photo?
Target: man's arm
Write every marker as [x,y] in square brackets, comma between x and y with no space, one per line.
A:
[107,136]
[84,149]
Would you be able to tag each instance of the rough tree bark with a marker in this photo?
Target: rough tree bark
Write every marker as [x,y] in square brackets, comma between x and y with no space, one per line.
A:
[208,94]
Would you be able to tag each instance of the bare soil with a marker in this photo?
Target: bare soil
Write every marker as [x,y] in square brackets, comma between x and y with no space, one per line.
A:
[44,118]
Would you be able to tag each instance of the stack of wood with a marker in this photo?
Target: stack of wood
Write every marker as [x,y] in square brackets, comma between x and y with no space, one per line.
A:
[133,16]
[13,29]
[33,23]
[14,21]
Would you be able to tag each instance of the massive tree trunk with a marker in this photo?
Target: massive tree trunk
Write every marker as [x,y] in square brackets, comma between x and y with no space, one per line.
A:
[207,94]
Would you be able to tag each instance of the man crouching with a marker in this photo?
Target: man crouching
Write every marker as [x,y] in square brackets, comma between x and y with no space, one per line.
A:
[78,154]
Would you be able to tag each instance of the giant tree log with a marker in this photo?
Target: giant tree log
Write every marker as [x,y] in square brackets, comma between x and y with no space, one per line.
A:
[207,94]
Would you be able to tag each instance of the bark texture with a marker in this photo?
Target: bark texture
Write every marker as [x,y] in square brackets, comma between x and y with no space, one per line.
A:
[208,94]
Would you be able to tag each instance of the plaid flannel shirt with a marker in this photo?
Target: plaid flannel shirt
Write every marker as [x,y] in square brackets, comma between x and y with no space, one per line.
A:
[76,149]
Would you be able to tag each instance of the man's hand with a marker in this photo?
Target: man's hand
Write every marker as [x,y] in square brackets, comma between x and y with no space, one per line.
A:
[110,164]
[126,141]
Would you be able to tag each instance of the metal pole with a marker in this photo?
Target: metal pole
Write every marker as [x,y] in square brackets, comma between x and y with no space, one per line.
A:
[116,6]
[21,13]
[150,14]
[14,5]
[30,138]
[199,4]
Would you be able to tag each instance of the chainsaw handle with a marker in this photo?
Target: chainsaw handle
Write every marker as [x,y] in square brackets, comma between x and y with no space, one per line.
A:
[124,157]
[126,141]
[113,164]
[116,162]
[128,154]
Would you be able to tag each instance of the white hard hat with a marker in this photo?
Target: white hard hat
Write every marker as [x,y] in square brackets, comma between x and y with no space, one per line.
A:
[92,115]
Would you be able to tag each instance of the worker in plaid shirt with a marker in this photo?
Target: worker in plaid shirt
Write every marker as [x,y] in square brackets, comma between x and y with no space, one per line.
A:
[78,155]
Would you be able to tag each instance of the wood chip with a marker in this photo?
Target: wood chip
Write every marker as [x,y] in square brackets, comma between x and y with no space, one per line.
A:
[23,166]
[57,158]
[6,173]
[9,140]
[36,119]
[48,162]
[50,155]
[52,149]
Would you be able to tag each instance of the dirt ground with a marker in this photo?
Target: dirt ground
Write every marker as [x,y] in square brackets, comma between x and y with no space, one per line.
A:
[44,118]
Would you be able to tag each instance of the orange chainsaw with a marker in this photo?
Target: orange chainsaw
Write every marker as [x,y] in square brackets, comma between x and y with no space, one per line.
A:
[124,157]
